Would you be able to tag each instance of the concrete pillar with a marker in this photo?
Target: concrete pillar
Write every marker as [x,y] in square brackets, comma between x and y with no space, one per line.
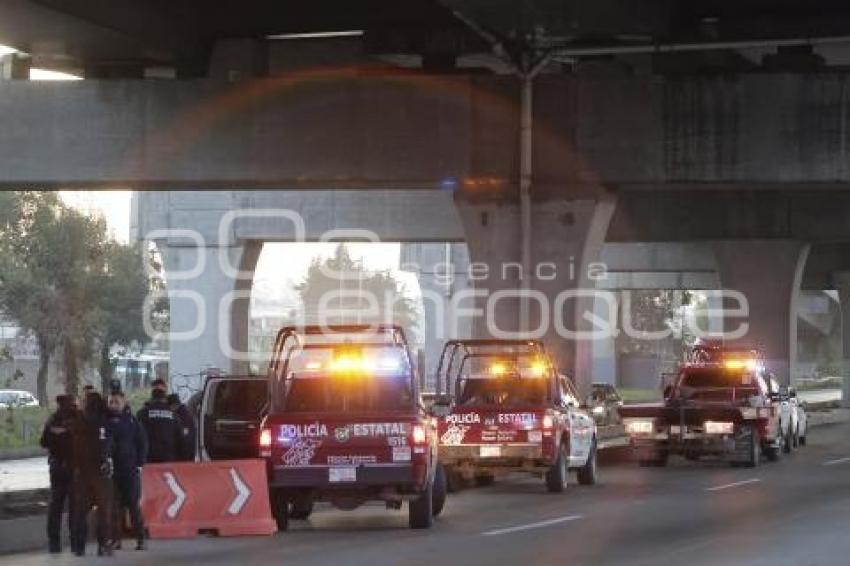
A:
[842,285]
[768,274]
[209,309]
[442,270]
[566,238]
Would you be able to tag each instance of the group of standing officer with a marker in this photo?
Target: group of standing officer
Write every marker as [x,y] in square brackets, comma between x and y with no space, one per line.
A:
[96,453]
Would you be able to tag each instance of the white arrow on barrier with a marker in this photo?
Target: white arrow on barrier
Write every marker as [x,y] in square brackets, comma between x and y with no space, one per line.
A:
[179,495]
[242,493]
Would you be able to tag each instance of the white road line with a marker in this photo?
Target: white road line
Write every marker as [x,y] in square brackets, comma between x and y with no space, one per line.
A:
[735,484]
[837,461]
[531,526]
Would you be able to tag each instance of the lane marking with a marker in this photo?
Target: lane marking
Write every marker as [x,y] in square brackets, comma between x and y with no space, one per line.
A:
[529,526]
[734,484]
[837,461]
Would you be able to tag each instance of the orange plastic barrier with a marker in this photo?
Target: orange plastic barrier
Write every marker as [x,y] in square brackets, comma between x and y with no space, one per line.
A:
[229,497]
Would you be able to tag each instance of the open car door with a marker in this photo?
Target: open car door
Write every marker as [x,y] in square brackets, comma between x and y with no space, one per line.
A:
[230,414]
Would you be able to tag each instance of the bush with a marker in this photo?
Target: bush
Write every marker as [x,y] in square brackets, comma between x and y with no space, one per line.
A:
[21,427]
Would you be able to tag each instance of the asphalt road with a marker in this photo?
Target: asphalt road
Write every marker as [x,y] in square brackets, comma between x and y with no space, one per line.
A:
[794,512]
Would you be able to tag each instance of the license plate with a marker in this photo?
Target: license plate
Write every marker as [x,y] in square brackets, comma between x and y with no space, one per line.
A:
[491,451]
[535,436]
[401,453]
[338,475]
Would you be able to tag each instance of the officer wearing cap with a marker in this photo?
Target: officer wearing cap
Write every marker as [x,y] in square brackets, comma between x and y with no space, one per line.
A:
[162,427]
[56,438]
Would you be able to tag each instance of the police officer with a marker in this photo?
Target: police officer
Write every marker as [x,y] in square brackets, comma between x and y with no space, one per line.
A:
[56,438]
[187,424]
[92,475]
[163,429]
[129,452]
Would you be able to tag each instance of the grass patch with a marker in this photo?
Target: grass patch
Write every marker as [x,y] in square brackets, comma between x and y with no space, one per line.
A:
[21,427]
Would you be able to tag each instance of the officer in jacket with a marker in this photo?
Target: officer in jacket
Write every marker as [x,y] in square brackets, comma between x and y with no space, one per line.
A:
[129,453]
[56,438]
[187,424]
[163,429]
[92,445]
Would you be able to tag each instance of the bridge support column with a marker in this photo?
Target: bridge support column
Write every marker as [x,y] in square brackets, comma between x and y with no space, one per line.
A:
[841,281]
[768,273]
[566,239]
[209,309]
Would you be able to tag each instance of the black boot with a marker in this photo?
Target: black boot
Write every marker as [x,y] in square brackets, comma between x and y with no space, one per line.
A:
[54,547]
[141,544]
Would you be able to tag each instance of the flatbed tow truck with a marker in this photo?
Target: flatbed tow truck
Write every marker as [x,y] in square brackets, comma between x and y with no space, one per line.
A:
[720,404]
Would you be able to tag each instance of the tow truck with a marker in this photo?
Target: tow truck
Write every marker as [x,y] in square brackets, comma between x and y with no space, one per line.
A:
[345,424]
[503,407]
[722,403]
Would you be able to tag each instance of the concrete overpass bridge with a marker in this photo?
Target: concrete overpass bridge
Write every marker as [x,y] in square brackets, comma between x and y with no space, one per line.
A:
[537,135]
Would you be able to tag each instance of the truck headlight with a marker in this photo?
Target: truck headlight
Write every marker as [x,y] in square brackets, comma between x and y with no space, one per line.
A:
[719,427]
[639,426]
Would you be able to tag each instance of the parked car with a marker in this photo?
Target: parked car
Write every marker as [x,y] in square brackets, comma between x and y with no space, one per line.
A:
[10,399]
[799,418]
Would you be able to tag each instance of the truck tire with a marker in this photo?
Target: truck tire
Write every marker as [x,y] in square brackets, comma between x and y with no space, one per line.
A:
[558,475]
[587,473]
[301,508]
[439,491]
[280,509]
[773,452]
[787,441]
[754,456]
[421,510]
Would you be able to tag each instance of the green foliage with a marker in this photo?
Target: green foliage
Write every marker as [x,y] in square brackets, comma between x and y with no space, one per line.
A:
[21,427]
[63,279]
[344,286]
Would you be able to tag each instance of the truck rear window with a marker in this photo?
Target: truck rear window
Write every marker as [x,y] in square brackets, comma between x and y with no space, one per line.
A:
[508,392]
[327,394]
[716,377]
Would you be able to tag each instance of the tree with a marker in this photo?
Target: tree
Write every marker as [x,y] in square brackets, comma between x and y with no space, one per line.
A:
[53,261]
[347,288]
[123,287]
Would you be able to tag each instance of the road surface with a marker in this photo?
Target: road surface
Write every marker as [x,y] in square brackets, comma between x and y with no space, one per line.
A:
[793,512]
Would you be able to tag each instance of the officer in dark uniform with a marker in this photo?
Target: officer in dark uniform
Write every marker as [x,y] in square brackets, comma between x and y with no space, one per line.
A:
[187,424]
[163,429]
[130,447]
[92,475]
[56,438]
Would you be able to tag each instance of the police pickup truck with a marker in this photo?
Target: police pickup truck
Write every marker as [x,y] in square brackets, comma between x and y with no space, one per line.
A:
[345,424]
[722,403]
[503,408]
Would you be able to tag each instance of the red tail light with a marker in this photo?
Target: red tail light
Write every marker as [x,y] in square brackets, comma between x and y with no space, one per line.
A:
[266,442]
[418,435]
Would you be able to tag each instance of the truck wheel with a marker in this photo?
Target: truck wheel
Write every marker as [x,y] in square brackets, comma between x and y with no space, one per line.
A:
[587,473]
[439,495]
[302,507]
[787,441]
[484,480]
[754,449]
[774,450]
[421,510]
[280,509]
[454,480]
[558,475]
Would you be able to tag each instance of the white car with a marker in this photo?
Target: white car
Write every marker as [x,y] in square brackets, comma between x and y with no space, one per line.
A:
[11,399]
[799,418]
